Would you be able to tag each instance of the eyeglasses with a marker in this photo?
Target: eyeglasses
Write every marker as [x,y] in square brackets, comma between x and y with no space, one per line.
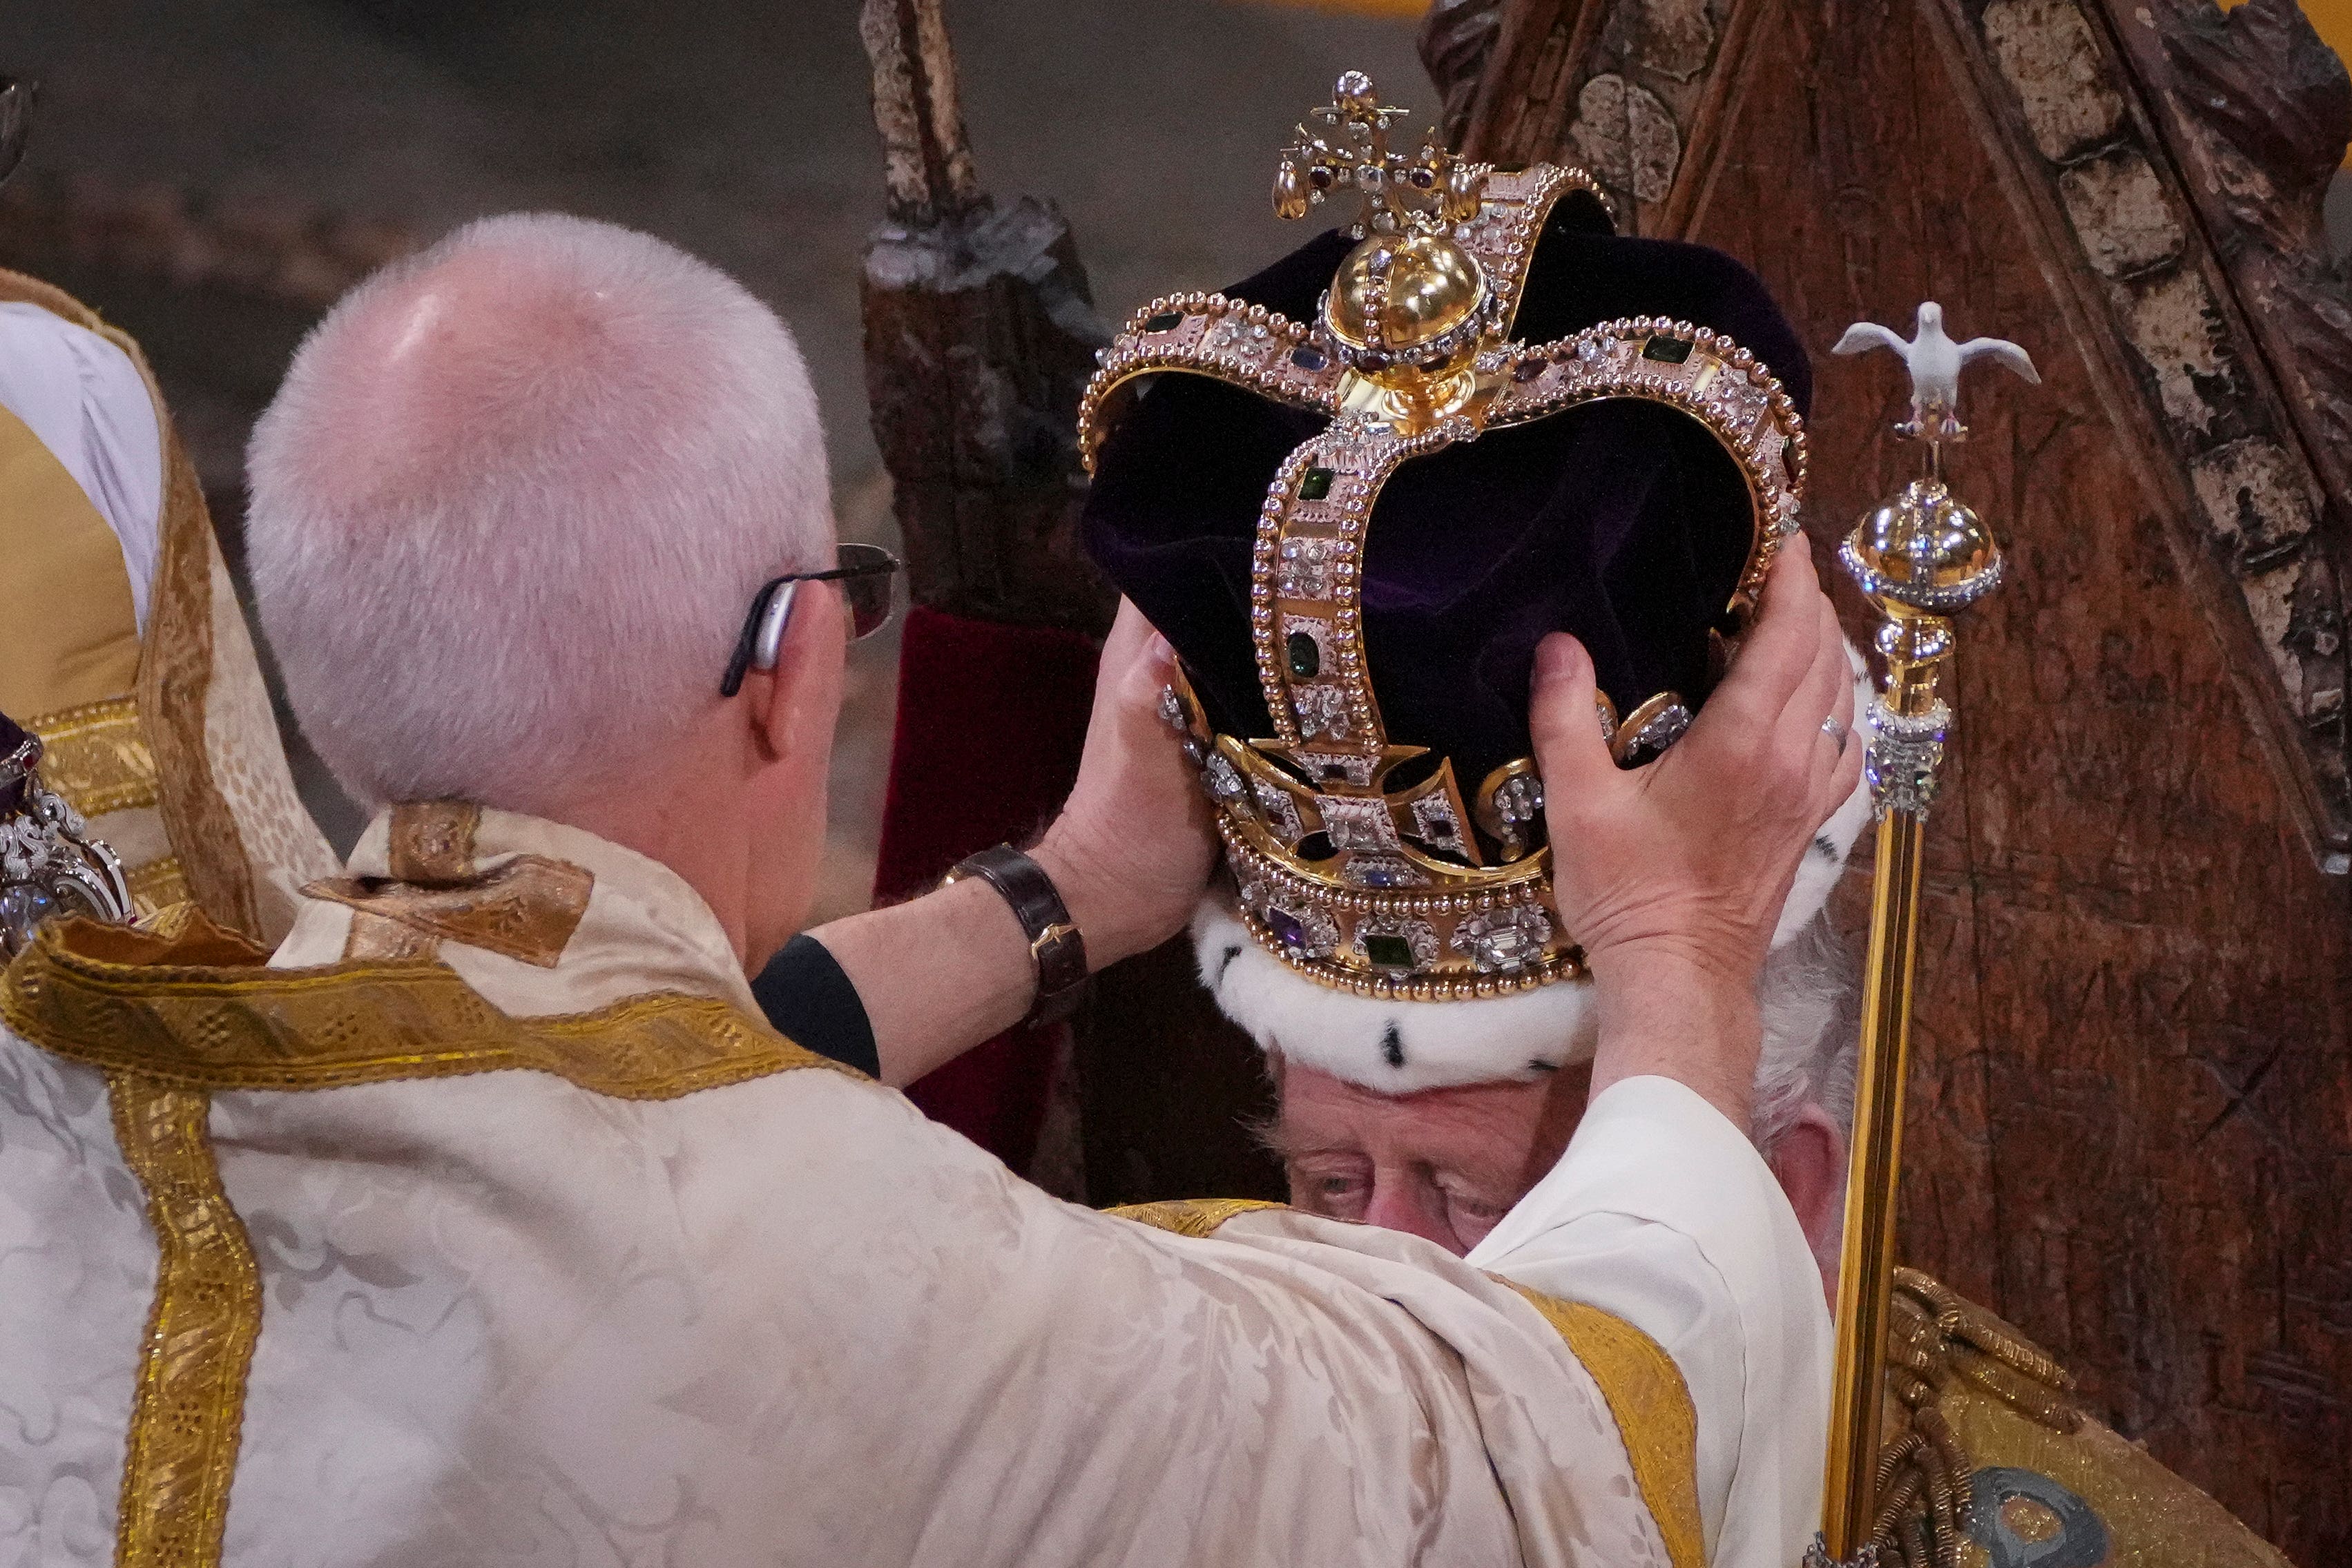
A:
[866,575]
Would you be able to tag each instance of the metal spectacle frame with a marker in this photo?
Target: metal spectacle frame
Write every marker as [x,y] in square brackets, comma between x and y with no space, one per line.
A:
[867,573]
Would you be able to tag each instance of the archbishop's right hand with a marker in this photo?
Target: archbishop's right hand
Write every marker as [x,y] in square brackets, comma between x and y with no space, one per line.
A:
[1672,876]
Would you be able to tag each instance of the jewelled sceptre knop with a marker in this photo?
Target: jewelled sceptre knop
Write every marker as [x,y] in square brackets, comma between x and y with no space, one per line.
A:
[1921,555]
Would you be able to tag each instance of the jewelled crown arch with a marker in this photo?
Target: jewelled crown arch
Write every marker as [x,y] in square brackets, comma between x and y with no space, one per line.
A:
[1365,865]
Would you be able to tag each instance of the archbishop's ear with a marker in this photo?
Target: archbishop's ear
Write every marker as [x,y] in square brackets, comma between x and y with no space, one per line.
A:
[1810,1159]
[794,706]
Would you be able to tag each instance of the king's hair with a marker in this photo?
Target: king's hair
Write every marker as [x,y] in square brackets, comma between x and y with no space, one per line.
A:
[512,501]
[1807,995]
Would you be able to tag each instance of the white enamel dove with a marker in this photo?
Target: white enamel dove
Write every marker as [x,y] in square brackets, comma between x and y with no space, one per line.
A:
[1936,364]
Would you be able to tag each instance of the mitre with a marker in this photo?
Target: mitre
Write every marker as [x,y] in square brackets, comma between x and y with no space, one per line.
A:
[1354,491]
[145,723]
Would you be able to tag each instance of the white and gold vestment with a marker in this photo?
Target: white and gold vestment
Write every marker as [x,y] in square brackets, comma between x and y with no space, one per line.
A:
[485,1222]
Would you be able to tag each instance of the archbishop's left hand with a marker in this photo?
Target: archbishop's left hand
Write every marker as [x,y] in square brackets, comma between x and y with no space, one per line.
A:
[1133,846]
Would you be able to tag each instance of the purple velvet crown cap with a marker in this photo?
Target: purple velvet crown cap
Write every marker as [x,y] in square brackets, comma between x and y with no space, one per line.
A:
[1625,523]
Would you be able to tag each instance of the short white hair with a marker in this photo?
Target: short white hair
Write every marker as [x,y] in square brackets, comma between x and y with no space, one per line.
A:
[1812,1032]
[513,501]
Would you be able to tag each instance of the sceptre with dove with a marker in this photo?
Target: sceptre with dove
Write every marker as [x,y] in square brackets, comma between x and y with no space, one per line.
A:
[1921,555]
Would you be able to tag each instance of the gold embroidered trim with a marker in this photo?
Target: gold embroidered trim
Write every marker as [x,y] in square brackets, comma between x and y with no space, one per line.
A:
[175,676]
[96,757]
[184,1421]
[525,908]
[1655,1419]
[1189,1216]
[431,842]
[156,886]
[196,1006]
[381,937]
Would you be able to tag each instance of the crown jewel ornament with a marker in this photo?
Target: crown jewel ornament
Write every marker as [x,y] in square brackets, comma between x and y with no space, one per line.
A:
[49,866]
[1362,860]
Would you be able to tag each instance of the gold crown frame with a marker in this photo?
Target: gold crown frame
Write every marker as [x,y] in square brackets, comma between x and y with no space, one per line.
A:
[1356,859]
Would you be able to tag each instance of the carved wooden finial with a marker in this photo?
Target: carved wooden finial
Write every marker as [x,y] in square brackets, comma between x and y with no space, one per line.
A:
[927,162]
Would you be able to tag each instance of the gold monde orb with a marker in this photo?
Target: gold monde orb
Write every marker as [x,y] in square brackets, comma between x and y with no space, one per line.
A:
[1397,292]
[1923,551]
[1405,312]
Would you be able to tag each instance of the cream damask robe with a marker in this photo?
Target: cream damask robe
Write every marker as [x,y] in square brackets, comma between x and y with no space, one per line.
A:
[562,1257]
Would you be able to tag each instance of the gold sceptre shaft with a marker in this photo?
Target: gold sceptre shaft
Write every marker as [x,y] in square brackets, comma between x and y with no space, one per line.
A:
[1921,555]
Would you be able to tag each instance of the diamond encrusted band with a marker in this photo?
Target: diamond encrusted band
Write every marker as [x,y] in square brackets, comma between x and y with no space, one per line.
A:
[1393,893]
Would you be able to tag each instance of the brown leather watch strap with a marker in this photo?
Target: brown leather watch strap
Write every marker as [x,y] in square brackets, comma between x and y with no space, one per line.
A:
[1056,946]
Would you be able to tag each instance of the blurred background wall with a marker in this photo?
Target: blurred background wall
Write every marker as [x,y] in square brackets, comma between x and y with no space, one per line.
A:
[211,173]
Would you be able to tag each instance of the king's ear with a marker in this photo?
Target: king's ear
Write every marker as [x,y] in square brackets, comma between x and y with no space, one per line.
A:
[1810,1159]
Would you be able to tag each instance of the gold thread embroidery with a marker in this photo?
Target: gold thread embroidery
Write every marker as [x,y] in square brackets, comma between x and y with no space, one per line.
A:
[431,842]
[197,1007]
[525,908]
[1656,1419]
[381,937]
[96,757]
[184,1421]
[176,674]
[1189,1216]
[157,886]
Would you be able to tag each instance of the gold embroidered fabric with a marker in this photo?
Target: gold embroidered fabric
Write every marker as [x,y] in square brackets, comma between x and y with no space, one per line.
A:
[431,842]
[525,909]
[379,937]
[66,598]
[95,756]
[1989,1457]
[1189,1216]
[182,1450]
[196,1007]
[1653,1408]
[224,797]
[157,886]
[175,685]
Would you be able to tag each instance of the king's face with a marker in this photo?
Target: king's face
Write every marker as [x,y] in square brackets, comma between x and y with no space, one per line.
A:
[1445,1163]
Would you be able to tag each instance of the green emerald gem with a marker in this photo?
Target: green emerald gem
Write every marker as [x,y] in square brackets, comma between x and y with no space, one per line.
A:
[1316,484]
[1667,350]
[1305,658]
[1389,951]
[1167,321]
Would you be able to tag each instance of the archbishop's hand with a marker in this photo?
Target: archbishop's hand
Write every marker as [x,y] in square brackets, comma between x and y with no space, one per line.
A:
[1133,848]
[1672,876]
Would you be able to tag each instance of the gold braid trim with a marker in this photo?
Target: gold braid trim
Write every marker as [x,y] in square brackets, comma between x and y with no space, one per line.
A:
[175,676]
[157,886]
[1655,1419]
[184,1421]
[1937,1344]
[95,757]
[194,1005]
[1189,1216]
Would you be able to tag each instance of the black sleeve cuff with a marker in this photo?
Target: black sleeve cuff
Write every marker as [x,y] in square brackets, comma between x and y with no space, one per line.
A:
[811,1003]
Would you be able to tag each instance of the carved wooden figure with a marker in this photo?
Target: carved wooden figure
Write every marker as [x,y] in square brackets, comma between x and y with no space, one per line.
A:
[2131,1113]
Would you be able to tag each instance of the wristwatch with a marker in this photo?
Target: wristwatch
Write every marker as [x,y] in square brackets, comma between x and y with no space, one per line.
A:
[1056,946]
